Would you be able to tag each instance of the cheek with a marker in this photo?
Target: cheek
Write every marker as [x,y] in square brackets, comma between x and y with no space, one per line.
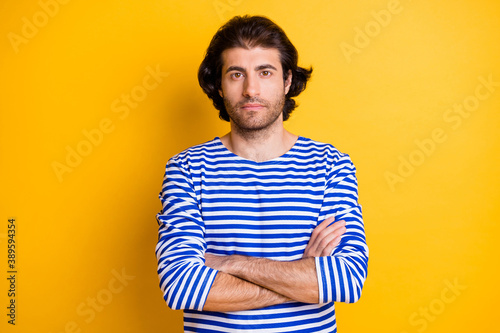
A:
[273,89]
[231,91]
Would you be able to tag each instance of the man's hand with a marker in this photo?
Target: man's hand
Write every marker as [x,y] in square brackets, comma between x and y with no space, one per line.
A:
[324,238]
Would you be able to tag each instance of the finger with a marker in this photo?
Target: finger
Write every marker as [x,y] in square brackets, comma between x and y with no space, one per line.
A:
[320,227]
[328,250]
[337,228]
[335,241]
[330,239]
[325,229]
[323,225]
[337,225]
[332,227]
[327,238]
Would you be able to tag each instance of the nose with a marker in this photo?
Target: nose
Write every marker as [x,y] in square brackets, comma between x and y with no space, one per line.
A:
[251,87]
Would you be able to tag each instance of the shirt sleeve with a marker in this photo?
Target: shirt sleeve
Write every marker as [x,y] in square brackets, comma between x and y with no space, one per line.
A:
[341,276]
[184,279]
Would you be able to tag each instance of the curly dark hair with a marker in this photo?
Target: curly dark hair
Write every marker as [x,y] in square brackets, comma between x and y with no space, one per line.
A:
[248,32]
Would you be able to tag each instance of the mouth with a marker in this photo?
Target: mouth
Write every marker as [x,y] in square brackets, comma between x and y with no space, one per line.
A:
[252,106]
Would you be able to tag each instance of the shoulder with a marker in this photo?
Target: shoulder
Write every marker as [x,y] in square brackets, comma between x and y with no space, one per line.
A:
[323,150]
[338,165]
[196,152]
[198,156]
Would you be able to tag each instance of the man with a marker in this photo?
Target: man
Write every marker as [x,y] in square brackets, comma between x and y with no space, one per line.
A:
[260,229]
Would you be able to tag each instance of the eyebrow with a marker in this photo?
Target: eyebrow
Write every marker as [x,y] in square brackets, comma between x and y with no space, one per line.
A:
[258,68]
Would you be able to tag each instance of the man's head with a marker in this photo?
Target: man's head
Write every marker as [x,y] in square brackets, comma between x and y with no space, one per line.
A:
[250,32]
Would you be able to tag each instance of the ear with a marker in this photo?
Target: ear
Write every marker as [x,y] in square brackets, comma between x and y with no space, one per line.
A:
[288,81]
[220,93]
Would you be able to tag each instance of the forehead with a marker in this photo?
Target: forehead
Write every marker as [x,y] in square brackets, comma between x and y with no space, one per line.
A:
[250,58]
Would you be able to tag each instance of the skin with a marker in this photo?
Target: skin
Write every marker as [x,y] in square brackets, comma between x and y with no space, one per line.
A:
[254,92]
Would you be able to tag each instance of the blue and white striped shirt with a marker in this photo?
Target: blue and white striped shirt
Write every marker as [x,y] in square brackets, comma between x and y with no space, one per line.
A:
[217,202]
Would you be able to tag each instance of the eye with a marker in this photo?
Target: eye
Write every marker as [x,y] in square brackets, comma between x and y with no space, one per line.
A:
[236,75]
[266,73]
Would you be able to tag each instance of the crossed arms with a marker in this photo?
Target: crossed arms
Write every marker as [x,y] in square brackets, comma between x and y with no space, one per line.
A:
[245,283]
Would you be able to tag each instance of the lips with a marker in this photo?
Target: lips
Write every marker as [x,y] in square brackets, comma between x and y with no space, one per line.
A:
[252,106]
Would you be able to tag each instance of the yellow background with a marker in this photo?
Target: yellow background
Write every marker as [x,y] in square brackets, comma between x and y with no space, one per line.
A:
[435,225]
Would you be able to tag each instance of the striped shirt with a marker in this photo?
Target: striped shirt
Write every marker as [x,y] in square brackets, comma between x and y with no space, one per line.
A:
[217,202]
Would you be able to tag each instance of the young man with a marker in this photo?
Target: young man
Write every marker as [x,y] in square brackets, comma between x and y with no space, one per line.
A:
[260,229]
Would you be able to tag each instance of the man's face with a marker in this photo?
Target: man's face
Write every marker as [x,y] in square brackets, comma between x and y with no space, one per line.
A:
[252,88]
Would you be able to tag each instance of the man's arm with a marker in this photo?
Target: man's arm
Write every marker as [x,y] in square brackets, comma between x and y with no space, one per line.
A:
[184,279]
[295,280]
[229,293]
[341,275]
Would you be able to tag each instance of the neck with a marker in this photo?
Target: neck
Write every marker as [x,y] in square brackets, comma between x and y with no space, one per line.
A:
[259,146]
